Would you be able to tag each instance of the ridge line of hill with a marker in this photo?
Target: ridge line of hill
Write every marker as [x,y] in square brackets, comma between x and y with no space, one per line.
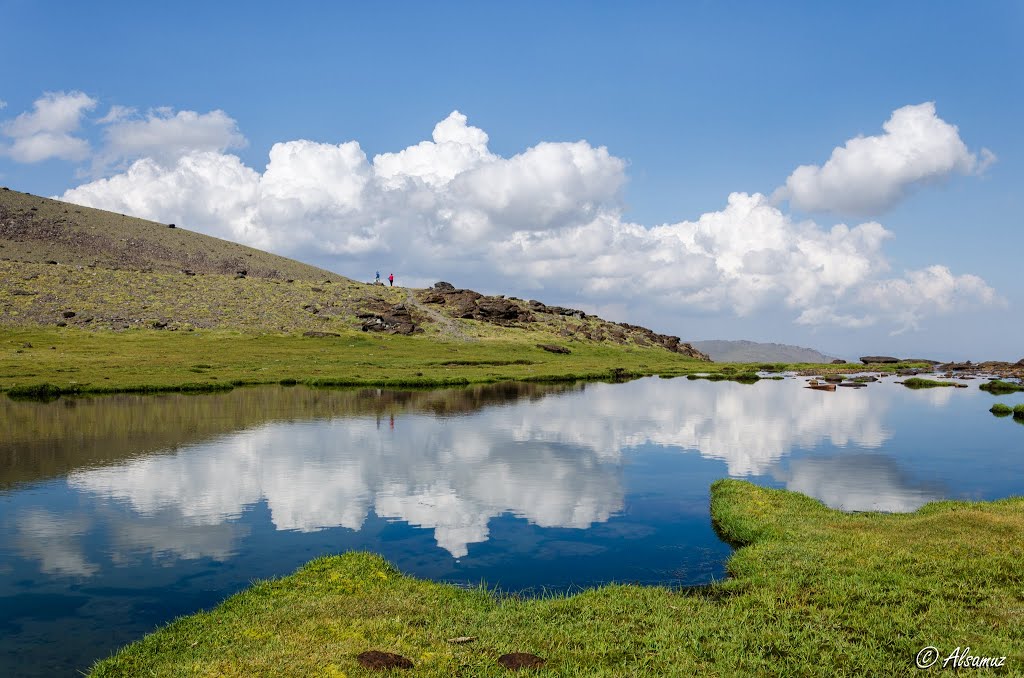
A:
[71,266]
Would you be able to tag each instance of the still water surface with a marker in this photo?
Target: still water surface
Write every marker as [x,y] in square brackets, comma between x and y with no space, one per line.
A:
[120,513]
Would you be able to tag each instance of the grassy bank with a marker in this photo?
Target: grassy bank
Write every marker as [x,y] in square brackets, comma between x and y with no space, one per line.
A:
[813,592]
[72,360]
[49,361]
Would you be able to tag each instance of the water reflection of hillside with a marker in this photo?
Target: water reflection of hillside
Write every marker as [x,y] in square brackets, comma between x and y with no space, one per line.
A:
[44,440]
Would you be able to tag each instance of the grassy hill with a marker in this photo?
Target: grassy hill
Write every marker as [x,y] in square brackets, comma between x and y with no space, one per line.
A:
[94,286]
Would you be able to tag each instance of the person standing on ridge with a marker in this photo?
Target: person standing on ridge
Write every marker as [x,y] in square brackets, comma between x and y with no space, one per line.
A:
[391,279]
[378,276]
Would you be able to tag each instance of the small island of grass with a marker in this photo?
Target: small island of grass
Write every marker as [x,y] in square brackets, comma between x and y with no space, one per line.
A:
[918,382]
[1001,410]
[1000,387]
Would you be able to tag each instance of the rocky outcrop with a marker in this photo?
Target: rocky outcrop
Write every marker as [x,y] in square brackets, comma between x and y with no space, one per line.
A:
[472,305]
[538,307]
[647,337]
[571,323]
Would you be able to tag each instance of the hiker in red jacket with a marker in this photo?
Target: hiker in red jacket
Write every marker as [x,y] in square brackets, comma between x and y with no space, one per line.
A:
[391,279]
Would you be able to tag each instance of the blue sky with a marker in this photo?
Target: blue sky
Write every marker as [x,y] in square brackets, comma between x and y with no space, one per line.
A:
[691,102]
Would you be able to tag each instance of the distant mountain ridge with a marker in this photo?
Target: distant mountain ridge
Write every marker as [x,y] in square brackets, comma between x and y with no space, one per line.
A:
[742,351]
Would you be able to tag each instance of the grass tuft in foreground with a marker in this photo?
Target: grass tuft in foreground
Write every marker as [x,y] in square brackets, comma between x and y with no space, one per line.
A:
[813,591]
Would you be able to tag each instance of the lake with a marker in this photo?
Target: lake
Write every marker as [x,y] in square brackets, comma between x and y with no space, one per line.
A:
[120,513]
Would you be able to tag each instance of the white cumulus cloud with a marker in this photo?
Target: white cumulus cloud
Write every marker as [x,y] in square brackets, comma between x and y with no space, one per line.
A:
[165,136]
[47,131]
[548,218]
[870,174]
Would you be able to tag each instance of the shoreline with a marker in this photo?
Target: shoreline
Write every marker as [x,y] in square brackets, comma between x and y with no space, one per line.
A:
[810,591]
[44,363]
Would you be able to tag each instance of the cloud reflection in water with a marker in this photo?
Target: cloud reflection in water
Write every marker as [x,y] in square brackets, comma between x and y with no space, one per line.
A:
[556,462]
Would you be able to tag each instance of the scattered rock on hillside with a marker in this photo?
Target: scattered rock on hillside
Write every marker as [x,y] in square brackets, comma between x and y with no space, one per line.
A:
[395,320]
[552,348]
[68,314]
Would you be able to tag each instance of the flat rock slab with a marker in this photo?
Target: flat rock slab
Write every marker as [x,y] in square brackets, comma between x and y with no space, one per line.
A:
[382,661]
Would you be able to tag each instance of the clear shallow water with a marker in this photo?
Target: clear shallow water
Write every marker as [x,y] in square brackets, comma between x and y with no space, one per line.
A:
[118,514]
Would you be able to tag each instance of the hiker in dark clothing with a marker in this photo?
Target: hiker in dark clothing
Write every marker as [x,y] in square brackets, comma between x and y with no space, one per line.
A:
[391,279]
[378,276]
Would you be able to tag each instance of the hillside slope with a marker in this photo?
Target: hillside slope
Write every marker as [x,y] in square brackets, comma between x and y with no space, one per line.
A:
[66,265]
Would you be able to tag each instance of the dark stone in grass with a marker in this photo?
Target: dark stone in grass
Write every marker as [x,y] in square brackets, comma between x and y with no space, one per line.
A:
[159,324]
[51,262]
[878,359]
[382,661]
[171,226]
[62,324]
[315,333]
[68,314]
[316,289]
[552,348]
[189,271]
[516,661]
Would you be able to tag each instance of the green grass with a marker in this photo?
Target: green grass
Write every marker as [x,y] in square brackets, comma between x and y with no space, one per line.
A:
[1000,387]
[918,382]
[1001,410]
[812,592]
[50,361]
[75,360]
